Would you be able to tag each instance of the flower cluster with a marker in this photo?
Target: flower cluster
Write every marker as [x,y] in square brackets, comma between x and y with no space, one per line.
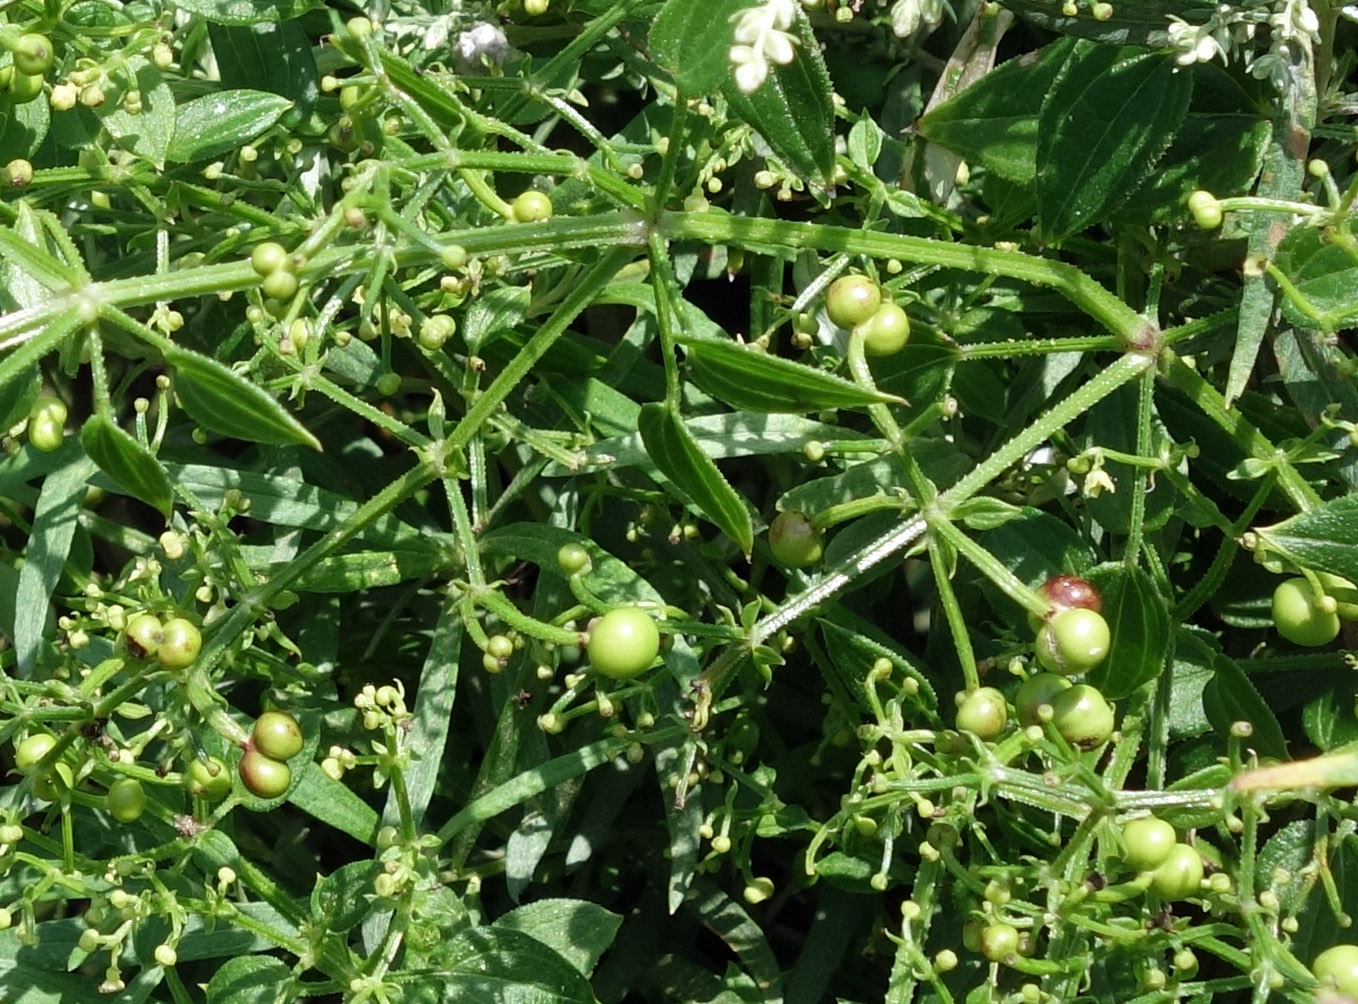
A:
[1234,27]
[908,15]
[761,35]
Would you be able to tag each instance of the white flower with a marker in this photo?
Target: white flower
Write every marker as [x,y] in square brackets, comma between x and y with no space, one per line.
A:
[761,37]
[480,46]
[908,15]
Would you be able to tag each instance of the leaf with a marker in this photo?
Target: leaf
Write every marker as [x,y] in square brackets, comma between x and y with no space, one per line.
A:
[1103,125]
[1139,621]
[1324,539]
[613,581]
[334,804]
[1215,152]
[147,134]
[679,457]
[577,930]
[225,120]
[267,57]
[1230,697]
[792,110]
[1324,275]
[128,462]
[249,979]
[340,900]
[690,39]
[497,966]
[247,11]
[23,128]
[752,380]
[994,121]
[49,543]
[1292,849]
[733,924]
[17,396]
[225,402]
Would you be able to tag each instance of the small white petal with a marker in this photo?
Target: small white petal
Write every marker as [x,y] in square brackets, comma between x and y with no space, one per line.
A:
[778,47]
[750,75]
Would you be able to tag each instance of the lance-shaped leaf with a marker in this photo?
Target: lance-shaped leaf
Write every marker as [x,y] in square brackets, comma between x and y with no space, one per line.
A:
[682,460]
[123,458]
[751,380]
[226,402]
[1325,538]
[225,120]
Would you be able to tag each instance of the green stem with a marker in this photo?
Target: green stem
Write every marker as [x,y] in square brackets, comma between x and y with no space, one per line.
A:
[952,612]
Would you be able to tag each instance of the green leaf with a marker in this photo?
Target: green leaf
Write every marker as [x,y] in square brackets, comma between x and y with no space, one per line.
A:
[1139,621]
[334,804]
[613,581]
[267,57]
[340,900]
[1324,539]
[498,966]
[1143,22]
[17,396]
[249,979]
[1230,697]
[49,544]
[994,121]
[1103,125]
[731,922]
[23,128]
[147,134]
[1293,849]
[1324,275]
[247,11]
[577,930]
[679,457]
[752,380]
[222,121]
[1214,152]
[128,462]
[792,110]
[690,39]
[225,402]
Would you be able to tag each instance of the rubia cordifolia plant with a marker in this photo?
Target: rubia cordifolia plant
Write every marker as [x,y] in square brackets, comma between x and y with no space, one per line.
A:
[493,493]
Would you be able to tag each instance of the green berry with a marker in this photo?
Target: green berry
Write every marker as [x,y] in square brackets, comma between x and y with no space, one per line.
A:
[263,776]
[180,643]
[886,332]
[29,753]
[999,942]
[208,779]
[1337,969]
[143,635]
[33,54]
[280,284]
[851,300]
[983,713]
[1082,716]
[532,206]
[1147,843]
[126,799]
[436,330]
[572,559]
[623,643]
[1180,875]
[268,258]
[278,735]
[1074,641]
[794,540]
[1298,617]
[1038,690]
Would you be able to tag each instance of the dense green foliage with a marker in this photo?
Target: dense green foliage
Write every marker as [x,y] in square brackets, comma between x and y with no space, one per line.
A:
[701,500]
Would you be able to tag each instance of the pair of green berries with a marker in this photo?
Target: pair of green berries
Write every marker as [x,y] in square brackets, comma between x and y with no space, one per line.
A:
[263,769]
[1306,617]
[276,269]
[1151,845]
[855,302]
[623,643]
[47,423]
[1079,713]
[32,56]
[174,643]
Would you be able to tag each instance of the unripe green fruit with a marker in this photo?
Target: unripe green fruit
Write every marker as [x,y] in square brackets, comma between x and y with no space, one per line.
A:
[886,332]
[1180,876]
[1082,716]
[45,434]
[1205,209]
[143,635]
[180,643]
[794,540]
[278,735]
[263,776]
[24,87]
[18,173]
[33,54]
[851,300]
[126,799]
[1147,843]
[1345,593]
[268,257]
[623,643]
[1297,615]
[280,284]
[572,559]
[1336,969]
[1037,690]
[436,330]
[29,753]
[208,779]
[983,713]
[1073,642]
[999,942]
[532,206]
